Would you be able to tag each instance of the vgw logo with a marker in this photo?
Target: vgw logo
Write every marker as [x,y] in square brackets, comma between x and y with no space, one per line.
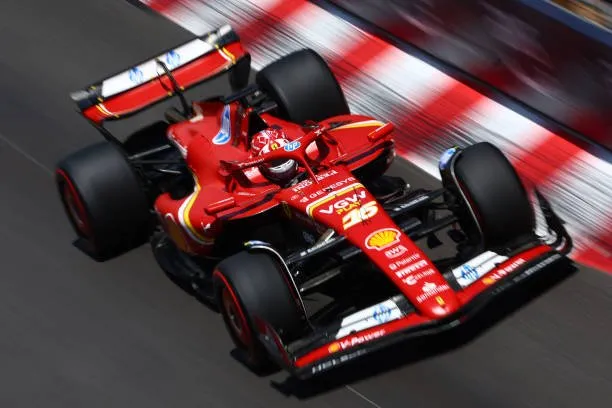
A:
[346,204]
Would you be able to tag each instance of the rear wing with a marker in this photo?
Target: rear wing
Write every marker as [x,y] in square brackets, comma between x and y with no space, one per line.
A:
[157,78]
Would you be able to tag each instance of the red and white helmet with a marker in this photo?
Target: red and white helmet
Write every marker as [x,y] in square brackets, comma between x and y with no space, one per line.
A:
[269,140]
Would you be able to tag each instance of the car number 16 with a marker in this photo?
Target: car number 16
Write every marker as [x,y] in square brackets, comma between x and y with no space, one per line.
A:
[360,214]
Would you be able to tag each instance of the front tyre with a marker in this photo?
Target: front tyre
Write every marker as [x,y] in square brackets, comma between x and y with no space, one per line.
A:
[251,285]
[488,196]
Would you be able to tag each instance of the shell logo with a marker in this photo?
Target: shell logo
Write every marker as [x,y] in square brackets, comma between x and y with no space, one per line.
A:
[333,348]
[382,239]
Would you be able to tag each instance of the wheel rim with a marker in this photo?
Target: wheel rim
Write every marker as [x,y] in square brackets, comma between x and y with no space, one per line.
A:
[75,209]
[235,319]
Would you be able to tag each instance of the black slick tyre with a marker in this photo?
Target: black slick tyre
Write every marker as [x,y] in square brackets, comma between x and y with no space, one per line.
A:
[494,205]
[250,285]
[304,87]
[103,199]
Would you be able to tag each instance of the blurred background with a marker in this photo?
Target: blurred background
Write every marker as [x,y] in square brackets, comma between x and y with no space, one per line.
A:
[596,11]
[532,76]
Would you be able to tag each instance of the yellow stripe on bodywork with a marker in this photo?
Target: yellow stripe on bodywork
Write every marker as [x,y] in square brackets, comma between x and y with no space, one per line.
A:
[229,54]
[224,52]
[365,123]
[191,230]
[313,206]
[105,111]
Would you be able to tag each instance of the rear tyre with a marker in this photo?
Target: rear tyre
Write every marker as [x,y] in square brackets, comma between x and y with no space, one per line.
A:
[491,201]
[304,87]
[103,200]
[250,284]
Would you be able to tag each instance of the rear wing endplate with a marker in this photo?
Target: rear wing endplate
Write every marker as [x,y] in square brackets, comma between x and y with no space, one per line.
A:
[148,83]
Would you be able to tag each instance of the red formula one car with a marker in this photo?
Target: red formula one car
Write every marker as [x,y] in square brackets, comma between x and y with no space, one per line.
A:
[276,195]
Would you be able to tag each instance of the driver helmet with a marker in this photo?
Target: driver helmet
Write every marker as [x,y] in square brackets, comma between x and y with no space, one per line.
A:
[267,140]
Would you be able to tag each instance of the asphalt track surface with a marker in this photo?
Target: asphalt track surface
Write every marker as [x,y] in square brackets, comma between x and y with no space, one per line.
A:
[76,333]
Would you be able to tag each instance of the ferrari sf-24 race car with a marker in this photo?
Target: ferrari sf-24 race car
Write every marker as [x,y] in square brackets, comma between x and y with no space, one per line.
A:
[277,194]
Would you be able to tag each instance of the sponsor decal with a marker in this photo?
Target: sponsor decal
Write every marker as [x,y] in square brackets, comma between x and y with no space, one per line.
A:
[430,290]
[416,277]
[468,273]
[382,238]
[274,145]
[224,134]
[322,176]
[503,272]
[173,59]
[352,188]
[325,366]
[369,317]
[411,203]
[446,157]
[334,348]
[345,204]
[360,215]
[150,69]
[346,200]
[539,266]
[402,273]
[302,185]
[382,313]
[403,262]
[488,281]
[477,267]
[136,75]
[292,146]
[314,248]
[316,194]
[396,252]
[355,341]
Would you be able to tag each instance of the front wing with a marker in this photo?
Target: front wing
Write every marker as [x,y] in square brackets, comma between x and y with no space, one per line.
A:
[332,347]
